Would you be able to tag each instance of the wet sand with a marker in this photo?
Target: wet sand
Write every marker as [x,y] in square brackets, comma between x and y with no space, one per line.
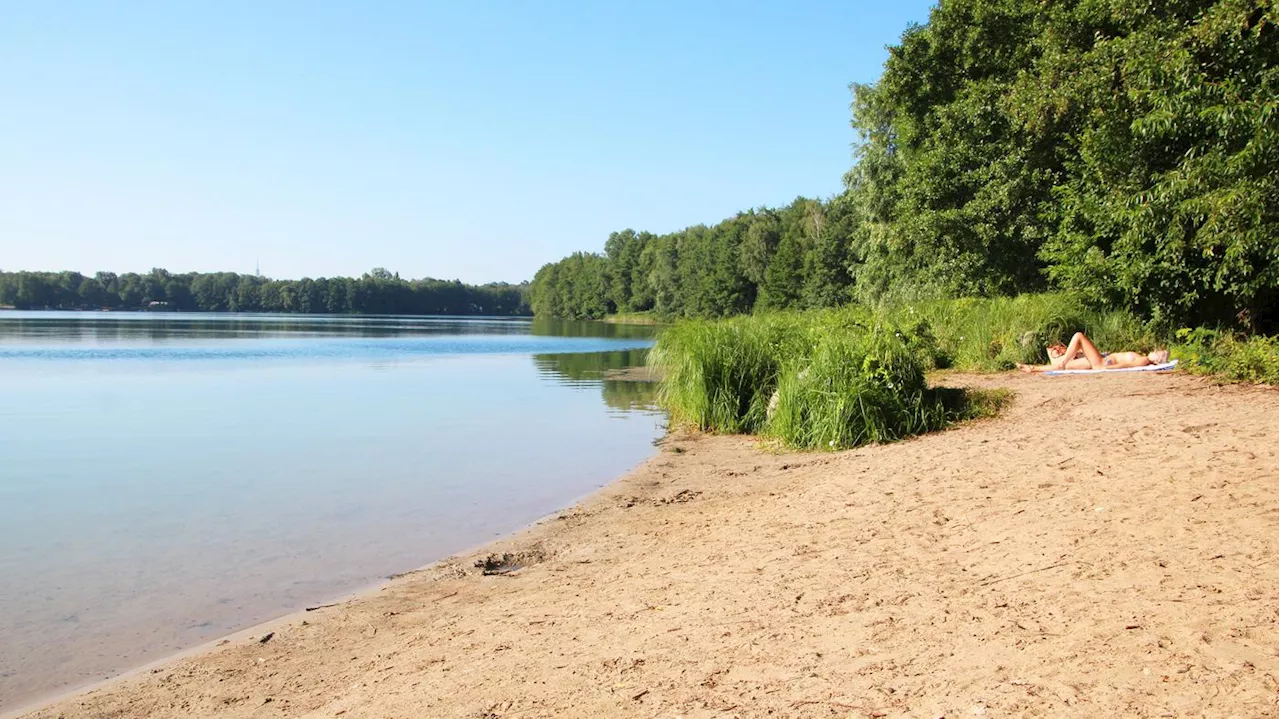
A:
[1106,547]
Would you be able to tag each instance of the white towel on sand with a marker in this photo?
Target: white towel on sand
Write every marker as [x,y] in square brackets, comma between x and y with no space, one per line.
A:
[1149,368]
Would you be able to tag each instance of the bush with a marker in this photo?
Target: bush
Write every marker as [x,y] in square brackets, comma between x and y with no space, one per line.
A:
[854,389]
[834,378]
[1227,356]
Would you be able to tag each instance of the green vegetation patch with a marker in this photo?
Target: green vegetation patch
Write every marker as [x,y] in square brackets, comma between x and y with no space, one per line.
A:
[852,375]
[833,379]
[851,389]
[818,380]
[984,335]
[719,376]
[1227,356]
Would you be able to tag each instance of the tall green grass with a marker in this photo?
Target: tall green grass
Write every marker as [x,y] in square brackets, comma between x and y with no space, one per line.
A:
[986,335]
[998,333]
[817,380]
[851,389]
[719,375]
[832,379]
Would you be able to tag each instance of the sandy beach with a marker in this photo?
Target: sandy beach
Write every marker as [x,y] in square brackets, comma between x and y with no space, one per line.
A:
[1106,547]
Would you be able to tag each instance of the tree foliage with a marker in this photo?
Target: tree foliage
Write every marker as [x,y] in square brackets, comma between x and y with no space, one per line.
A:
[377,292]
[1169,200]
[794,256]
[1122,150]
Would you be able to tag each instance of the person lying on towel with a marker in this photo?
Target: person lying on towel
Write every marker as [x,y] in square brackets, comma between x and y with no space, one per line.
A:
[1082,354]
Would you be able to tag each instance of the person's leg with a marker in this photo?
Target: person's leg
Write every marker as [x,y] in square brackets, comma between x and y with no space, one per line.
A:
[1079,363]
[1080,343]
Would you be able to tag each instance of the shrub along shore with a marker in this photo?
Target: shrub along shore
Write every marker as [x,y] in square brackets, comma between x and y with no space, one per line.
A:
[833,379]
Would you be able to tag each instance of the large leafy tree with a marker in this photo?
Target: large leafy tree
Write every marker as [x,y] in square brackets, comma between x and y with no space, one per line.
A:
[1123,150]
[1169,202]
[955,189]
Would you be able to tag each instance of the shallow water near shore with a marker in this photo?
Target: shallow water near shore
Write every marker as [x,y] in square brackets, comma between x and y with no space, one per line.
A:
[167,479]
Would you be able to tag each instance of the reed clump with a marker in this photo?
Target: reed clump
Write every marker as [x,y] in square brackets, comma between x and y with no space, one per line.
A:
[816,380]
[719,375]
[852,389]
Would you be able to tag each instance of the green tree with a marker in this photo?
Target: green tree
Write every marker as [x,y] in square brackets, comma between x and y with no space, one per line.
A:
[1125,151]
[1169,205]
[622,251]
[784,280]
[758,245]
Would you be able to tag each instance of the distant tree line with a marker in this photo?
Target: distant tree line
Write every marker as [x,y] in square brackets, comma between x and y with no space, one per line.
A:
[376,292]
[795,256]
[1122,150]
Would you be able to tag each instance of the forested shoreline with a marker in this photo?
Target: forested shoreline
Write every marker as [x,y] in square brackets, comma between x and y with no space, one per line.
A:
[375,292]
[1123,152]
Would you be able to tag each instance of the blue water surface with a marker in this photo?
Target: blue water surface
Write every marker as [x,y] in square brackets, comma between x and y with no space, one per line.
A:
[166,479]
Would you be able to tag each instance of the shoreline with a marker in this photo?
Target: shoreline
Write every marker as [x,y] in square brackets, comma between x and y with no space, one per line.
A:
[718,577]
[256,631]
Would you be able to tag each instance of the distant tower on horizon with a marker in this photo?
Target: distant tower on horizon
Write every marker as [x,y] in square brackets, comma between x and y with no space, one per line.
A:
[257,268]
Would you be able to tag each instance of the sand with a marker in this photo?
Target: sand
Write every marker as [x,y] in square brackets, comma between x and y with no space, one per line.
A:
[1107,547]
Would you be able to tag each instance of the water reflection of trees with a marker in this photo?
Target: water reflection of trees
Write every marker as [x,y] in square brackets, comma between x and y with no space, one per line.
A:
[106,327]
[114,326]
[580,328]
[588,369]
[630,396]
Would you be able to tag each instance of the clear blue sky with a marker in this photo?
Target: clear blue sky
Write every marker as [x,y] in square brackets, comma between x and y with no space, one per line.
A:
[471,140]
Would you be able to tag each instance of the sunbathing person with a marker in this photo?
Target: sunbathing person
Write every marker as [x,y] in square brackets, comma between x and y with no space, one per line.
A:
[1082,354]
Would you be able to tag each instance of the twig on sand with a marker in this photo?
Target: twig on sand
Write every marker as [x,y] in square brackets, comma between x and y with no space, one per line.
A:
[1023,574]
[802,702]
[322,606]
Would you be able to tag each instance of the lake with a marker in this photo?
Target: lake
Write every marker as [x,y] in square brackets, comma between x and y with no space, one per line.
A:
[166,479]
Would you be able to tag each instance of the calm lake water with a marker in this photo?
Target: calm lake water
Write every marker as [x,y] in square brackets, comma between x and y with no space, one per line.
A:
[166,479]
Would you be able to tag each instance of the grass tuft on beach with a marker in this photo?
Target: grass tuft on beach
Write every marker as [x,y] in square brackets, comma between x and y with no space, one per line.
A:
[820,380]
[851,388]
